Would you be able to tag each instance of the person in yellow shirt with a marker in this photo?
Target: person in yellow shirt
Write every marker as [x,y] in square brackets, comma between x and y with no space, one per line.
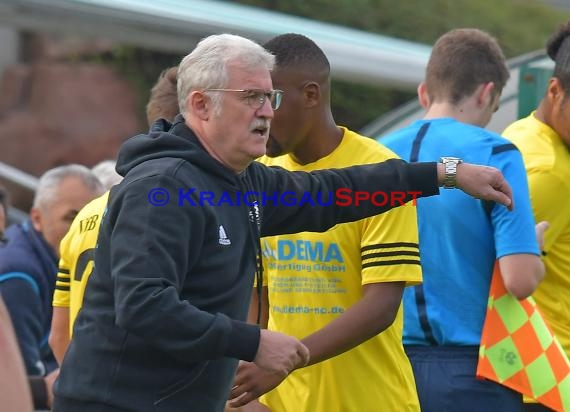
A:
[78,245]
[544,141]
[75,266]
[340,291]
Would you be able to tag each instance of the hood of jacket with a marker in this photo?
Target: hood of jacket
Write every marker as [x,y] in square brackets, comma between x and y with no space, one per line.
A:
[176,140]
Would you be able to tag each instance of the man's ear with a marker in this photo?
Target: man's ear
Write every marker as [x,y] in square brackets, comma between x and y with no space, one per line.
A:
[554,90]
[423,96]
[311,94]
[485,94]
[199,104]
[36,218]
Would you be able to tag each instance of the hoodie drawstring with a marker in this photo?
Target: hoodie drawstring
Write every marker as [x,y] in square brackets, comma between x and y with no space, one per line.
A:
[255,229]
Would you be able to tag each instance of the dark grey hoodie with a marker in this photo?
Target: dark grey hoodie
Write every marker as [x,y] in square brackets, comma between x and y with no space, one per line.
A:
[163,322]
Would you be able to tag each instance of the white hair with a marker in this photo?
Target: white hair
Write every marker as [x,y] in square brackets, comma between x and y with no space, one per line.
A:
[206,66]
[47,190]
[105,172]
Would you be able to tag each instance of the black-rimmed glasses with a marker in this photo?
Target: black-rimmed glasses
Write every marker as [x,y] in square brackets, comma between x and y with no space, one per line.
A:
[256,97]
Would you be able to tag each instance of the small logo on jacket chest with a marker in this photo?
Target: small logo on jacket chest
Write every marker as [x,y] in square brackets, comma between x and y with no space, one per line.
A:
[224,239]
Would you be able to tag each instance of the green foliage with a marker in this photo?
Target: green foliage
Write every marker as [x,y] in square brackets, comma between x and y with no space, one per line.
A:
[520,26]
[142,67]
[356,105]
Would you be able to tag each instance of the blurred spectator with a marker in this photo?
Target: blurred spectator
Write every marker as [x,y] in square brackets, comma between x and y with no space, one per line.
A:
[106,173]
[28,260]
[76,261]
[15,394]
[163,101]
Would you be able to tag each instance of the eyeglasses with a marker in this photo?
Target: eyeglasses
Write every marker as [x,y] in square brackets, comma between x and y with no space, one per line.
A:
[256,97]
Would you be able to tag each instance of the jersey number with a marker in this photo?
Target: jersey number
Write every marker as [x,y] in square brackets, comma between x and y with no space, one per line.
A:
[82,261]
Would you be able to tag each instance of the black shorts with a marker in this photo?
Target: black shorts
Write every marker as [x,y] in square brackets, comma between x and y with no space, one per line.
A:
[446,382]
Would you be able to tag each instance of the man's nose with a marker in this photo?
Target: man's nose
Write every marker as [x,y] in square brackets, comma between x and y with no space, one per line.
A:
[265,110]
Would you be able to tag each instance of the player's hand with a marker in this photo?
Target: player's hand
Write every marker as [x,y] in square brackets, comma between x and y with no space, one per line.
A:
[251,382]
[49,381]
[253,406]
[279,353]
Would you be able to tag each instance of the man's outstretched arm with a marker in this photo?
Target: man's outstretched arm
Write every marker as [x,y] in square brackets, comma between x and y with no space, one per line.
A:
[393,177]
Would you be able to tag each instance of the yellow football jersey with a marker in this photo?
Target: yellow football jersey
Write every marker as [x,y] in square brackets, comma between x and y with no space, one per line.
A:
[313,278]
[76,262]
[547,162]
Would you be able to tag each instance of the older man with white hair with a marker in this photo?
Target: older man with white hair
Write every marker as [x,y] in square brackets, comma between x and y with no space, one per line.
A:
[28,259]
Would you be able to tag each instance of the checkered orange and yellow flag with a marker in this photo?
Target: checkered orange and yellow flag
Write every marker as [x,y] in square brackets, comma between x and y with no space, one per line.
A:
[518,349]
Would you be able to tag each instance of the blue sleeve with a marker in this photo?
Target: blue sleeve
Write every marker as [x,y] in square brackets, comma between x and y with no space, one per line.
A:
[514,231]
[23,304]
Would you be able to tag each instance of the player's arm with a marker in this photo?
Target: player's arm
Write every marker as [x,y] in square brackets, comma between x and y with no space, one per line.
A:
[522,273]
[366,318]
[390,256]
[369,316]
[550,203]
[59,335]
[515,237]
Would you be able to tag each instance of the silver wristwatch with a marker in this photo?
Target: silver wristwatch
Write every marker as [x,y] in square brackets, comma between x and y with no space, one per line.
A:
[450,165]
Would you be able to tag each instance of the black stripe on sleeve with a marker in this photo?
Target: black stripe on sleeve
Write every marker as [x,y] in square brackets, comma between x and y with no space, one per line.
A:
[63,288]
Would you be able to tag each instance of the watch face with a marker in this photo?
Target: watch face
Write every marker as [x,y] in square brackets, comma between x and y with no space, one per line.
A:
[450,165]
[446,159]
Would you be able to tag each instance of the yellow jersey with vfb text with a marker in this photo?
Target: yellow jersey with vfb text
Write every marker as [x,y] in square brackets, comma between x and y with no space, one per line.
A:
[76,262]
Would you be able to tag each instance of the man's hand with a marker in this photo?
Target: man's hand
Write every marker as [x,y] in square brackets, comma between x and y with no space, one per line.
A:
[251,382]
[482,182]
[279,353]
[50,380]
[253,406]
